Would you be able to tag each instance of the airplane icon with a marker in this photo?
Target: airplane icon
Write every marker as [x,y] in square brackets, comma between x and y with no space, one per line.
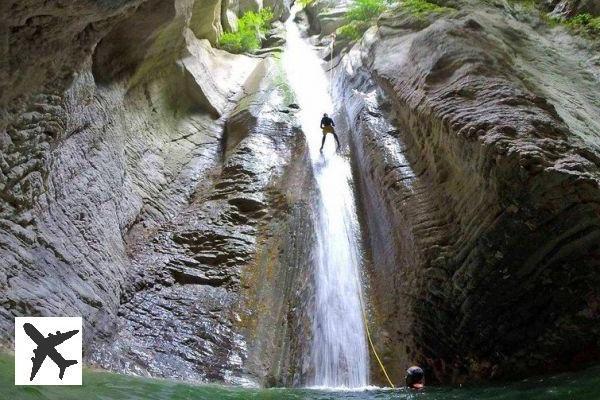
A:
[46,347]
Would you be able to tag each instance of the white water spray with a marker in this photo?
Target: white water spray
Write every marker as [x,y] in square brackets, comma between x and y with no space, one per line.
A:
[339,354]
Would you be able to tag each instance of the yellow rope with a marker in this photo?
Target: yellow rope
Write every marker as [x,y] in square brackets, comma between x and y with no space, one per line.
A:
[372,345]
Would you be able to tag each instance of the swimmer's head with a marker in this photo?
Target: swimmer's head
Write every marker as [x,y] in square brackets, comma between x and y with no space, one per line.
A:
[415,378]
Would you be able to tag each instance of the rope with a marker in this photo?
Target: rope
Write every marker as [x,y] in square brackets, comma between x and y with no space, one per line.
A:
[372,345]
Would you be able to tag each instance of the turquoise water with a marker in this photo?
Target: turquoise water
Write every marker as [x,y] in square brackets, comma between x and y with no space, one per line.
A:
[107,386]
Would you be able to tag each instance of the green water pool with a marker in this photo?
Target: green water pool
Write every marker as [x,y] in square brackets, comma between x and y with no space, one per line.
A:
[108,386]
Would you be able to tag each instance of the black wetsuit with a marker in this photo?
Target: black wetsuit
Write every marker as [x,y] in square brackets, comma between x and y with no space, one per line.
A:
[327,125]
[326,121]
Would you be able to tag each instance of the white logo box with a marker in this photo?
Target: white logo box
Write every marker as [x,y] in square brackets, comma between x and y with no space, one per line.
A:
[68,353]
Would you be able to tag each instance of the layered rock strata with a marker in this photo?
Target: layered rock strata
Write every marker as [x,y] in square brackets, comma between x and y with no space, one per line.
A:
[142,172]
[476,146]
[208,274]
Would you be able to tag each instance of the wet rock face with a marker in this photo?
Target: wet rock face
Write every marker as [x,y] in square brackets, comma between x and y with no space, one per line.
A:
[487,173]
[278,288]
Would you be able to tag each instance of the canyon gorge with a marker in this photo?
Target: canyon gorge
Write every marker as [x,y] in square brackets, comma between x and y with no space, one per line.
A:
[172,192]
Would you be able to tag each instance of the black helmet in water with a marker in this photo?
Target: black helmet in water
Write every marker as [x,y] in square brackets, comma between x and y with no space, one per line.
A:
[325,115]
[415,378]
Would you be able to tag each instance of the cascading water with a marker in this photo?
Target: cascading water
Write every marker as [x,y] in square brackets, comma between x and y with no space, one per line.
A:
[339,354]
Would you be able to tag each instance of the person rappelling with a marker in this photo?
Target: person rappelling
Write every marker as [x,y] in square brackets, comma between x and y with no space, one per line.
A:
[327,125]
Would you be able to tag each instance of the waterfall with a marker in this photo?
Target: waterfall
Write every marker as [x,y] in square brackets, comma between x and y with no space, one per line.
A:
[339,353]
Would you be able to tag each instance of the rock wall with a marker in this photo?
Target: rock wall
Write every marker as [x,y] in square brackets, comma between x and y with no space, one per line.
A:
[134,185]
[477,152]
[194,266]
[159,187]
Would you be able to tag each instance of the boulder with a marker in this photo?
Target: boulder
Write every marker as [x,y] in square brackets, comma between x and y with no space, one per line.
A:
[230,21]
[210,72]
[205,20]
[331,20]
[280,8]
[249,5]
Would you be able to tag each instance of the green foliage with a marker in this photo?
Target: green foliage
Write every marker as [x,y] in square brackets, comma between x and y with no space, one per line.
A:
[251,28]
[422,7]
[352,31]
[305,3]
[585,23]
[362,13]
[365,10]
[594,25]
[359,17]
[239,42]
